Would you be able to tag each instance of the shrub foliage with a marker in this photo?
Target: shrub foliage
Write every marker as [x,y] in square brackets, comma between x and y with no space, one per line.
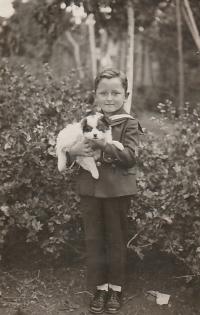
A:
[34,196]
[167,209]
[39,201]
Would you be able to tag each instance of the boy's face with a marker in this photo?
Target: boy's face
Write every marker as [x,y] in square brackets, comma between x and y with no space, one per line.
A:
[110,95]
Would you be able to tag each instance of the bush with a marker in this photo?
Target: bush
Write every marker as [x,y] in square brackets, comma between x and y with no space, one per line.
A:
[34,196]
[37,200]
[167,209]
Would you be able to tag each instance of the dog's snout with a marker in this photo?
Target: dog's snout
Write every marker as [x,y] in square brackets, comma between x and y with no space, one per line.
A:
[95,135]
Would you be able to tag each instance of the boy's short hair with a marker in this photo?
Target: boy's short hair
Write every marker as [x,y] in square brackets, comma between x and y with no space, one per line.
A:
[110,73]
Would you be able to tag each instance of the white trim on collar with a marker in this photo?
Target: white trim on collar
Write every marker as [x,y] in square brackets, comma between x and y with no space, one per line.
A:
[119,116]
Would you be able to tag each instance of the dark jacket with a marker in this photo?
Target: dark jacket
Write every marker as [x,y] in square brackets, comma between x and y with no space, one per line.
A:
[117,169]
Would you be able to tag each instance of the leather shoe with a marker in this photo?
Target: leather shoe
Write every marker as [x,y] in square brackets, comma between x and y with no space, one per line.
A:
[113,303]
[97,304]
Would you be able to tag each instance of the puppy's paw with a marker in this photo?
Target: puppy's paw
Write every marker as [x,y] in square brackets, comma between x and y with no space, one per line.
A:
[62,161]
[61,167]
[95,174]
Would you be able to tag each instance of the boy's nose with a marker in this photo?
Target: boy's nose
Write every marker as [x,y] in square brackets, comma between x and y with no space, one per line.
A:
[109,96]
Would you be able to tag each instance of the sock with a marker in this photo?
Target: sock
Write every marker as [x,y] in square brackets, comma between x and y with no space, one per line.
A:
[114,287]
[103,287]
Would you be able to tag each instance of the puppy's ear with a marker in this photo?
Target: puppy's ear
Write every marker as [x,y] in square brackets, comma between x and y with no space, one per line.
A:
[105,120]
[83,122]
[89,112]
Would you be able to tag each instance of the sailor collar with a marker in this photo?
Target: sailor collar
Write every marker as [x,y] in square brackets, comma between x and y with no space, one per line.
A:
[119,118]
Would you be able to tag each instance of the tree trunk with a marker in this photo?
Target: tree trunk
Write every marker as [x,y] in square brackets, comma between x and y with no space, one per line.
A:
[76,53]
[143,47]
[122,56]
[130,58]
[180,104]
[189,17]
[91,22]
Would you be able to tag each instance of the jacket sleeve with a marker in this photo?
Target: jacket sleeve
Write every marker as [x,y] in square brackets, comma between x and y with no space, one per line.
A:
[69,160]
[127,157]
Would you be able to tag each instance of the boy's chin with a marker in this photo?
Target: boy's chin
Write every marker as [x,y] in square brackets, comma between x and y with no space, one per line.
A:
[112,112]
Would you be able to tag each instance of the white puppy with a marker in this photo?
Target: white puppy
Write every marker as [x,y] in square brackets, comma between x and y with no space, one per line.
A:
[93,127]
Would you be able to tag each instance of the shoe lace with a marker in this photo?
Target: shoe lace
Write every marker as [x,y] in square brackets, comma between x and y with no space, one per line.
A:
[114,296]
[99,296]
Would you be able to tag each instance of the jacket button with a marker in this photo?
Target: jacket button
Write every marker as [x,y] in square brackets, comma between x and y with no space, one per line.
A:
[98,163]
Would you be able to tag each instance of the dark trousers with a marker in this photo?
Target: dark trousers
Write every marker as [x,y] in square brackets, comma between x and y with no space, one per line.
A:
[105,225]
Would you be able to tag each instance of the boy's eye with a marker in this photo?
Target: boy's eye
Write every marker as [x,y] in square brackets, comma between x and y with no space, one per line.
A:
[114,93]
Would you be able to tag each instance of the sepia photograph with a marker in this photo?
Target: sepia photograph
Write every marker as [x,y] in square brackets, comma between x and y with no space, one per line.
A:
[100,157]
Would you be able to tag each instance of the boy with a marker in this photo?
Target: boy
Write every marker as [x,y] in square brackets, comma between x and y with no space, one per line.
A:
[105,202]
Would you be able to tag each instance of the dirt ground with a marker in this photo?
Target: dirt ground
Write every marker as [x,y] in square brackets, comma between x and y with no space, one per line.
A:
[33,286]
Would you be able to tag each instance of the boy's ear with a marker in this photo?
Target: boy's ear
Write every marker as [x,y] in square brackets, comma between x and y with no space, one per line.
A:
[90,98]
[127,95]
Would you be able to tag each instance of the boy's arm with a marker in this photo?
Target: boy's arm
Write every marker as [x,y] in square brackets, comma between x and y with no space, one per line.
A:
[70,159]
[127,157]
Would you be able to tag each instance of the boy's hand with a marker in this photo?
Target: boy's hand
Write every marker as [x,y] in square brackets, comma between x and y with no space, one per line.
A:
[97,144]
[82,148]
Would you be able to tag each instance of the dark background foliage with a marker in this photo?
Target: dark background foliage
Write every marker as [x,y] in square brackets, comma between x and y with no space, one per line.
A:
[33,33]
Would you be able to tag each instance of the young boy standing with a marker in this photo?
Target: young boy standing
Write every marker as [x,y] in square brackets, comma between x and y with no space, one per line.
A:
[105,201]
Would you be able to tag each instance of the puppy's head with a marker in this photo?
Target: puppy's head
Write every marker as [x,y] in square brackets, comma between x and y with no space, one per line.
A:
[95,126]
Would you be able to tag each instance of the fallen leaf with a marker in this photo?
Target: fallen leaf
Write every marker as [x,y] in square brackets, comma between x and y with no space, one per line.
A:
[161,298]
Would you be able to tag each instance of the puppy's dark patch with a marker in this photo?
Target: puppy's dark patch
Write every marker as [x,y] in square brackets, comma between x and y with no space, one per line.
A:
[85,126]
[103,124]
